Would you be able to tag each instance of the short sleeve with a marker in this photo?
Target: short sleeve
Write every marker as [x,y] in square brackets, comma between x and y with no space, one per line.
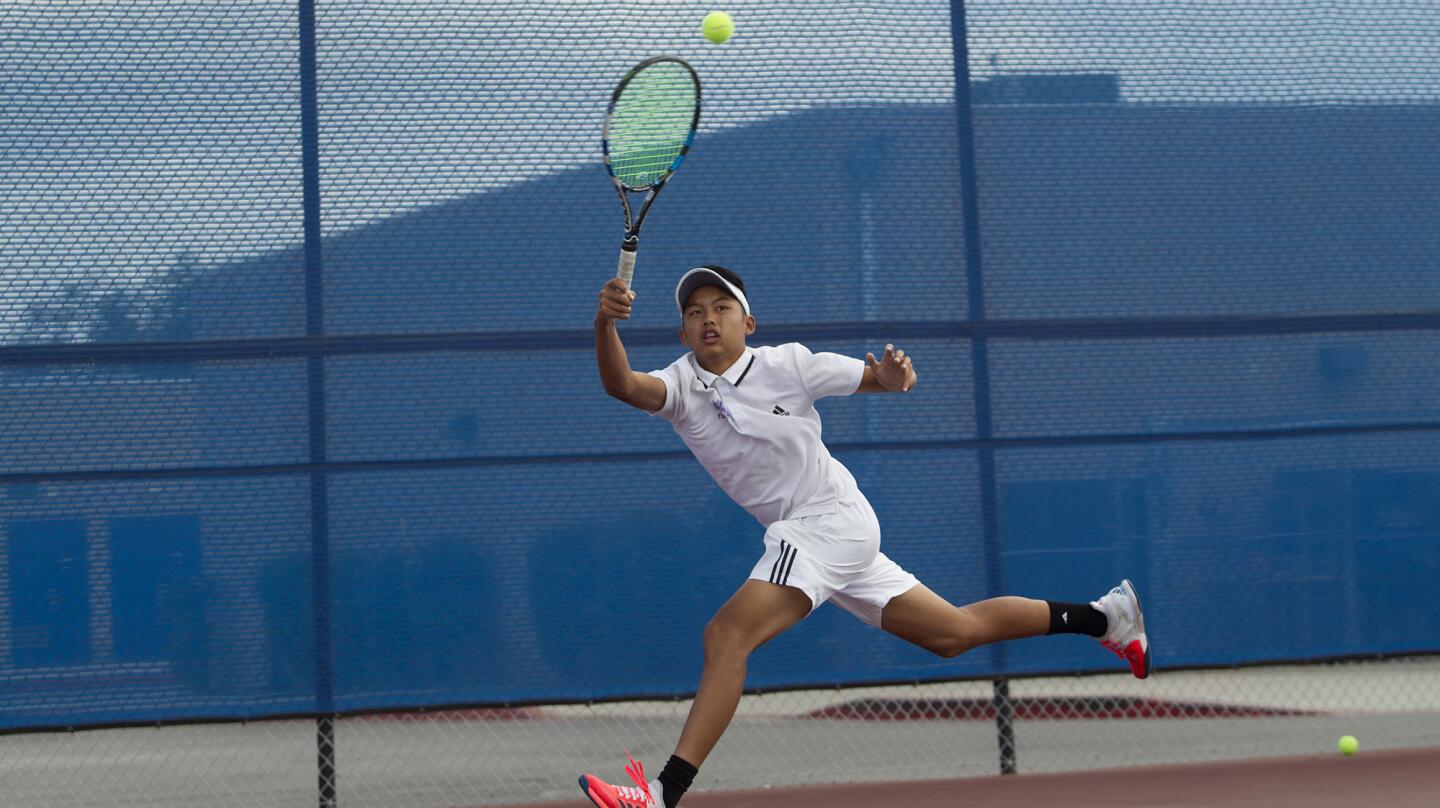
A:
[827,374]
[674,407]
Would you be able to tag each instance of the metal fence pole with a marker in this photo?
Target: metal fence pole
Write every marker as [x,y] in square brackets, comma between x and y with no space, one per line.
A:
[980,361]
[1004,725]
[315,367]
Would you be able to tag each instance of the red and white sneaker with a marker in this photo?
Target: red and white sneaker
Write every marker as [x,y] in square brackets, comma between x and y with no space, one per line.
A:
[642,795]
[1126,634]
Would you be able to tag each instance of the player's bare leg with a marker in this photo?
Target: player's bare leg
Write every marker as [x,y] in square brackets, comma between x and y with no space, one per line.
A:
[754,615]
[924,618]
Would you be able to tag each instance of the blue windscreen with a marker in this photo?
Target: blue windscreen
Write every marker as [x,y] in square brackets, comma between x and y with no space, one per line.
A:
[299,410]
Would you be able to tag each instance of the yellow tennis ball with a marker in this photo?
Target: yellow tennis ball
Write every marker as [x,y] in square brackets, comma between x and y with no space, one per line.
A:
[1348,745]
[717,26]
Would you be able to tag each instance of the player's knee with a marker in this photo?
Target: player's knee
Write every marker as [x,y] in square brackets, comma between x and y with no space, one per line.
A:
[724,640]
[949,647]
[958,637]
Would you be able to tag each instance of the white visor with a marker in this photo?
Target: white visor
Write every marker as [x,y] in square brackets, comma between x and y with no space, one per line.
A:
[704,276]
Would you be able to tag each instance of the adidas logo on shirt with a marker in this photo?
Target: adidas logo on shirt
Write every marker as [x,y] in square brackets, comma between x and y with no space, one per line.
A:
[779,410]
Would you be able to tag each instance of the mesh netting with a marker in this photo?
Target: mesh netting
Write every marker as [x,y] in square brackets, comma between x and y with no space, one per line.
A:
[303,419]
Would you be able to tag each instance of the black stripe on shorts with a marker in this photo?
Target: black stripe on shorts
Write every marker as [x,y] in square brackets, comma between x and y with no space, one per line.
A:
[785,579]
[780,571]
[774,568]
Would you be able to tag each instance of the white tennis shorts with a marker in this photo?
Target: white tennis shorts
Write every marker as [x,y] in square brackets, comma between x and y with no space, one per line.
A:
[834,557]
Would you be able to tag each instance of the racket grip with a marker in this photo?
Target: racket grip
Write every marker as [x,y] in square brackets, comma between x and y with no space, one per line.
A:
[626,270]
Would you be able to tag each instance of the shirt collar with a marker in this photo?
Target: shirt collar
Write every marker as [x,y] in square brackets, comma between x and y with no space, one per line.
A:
[733,374]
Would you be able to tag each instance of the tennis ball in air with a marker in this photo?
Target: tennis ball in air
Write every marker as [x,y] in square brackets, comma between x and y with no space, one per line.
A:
[717,26]
[1348,745]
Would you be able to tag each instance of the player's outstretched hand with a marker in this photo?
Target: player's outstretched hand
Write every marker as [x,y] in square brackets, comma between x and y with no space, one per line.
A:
[893,370]
[615,302]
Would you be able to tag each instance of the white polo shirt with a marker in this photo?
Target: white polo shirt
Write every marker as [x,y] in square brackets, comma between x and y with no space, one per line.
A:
[755,428]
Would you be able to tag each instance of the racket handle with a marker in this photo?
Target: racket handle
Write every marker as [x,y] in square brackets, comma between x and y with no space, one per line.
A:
[626,270]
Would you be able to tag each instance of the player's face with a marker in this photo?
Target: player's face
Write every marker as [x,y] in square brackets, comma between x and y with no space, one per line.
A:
[714,325]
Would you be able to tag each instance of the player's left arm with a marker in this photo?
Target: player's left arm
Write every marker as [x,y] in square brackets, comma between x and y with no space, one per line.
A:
[892,373]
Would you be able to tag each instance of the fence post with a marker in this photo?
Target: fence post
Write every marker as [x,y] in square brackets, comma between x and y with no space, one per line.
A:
[315,376]
[980,363]
[1004,725]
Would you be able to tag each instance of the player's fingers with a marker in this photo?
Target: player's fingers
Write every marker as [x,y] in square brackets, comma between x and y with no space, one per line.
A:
[889,350]
[616,284]
[870,359]
[898,356]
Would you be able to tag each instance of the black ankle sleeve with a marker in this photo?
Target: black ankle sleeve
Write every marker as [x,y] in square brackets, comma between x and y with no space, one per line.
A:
[675,780]
[1076,618]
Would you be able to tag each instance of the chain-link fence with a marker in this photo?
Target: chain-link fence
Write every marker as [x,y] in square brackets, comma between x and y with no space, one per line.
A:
[298,417]
[453,758]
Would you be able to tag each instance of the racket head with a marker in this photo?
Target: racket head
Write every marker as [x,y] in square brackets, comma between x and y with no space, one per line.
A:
[650,122]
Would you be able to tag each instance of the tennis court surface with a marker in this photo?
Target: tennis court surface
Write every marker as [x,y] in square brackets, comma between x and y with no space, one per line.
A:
[1396,779]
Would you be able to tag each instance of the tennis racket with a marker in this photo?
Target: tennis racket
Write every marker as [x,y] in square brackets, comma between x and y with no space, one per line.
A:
[649,127]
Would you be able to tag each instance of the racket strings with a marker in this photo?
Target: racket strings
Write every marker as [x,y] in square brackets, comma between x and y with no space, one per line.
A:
[651,123]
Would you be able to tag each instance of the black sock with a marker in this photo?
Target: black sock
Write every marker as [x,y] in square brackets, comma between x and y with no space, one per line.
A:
[1077,618]
[676,779]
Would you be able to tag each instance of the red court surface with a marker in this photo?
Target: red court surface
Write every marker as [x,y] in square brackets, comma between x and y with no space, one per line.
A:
[1392,779]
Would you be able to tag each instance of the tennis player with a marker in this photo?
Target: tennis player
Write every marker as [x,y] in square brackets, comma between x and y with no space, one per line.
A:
[748,415]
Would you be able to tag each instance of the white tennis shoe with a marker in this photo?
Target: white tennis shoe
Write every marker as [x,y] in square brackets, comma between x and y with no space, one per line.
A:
[1126,634]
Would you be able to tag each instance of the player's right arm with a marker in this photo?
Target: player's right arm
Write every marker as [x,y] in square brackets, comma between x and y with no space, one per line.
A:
[639,390]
